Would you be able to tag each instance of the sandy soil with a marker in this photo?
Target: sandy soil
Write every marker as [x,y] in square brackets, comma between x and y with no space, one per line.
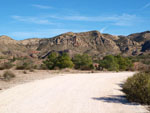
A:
[72,93]
[22,78]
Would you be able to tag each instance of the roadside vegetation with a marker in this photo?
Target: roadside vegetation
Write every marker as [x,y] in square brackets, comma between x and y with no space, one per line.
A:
[83,62]
[6,65]
[116,63]
[137,88]
[8,75]
[57,61]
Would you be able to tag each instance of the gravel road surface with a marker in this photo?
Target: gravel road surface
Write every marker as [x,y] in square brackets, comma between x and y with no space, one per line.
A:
[70,93]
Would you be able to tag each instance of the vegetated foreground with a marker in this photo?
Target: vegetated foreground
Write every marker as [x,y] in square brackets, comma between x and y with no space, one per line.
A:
[72,93]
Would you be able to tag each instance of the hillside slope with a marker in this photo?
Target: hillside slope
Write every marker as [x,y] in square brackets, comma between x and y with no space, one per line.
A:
[93,43]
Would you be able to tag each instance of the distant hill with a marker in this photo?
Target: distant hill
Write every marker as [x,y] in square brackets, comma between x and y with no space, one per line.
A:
[93,43]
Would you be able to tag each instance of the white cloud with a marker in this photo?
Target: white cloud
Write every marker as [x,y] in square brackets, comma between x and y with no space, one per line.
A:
[42,6]
[34,20]
[126,20]
[103,29]
[41,33]
[119,20]
[83,18]
[146,6]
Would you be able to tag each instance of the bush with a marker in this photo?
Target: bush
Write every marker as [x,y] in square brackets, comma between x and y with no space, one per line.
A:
[2,68]
[109,63]
[145,59]
[124,63]
[137,88]
[8,75]
[83,62]
[64,61]
[43,67]
[50,63]
[23,66]
[6,65]
[115,63]
[60,61]
[35,67]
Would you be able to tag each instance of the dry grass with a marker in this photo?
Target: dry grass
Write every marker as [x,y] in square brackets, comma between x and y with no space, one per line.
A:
[8,75]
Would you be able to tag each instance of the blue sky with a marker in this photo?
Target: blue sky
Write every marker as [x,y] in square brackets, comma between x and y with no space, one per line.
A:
[22,19]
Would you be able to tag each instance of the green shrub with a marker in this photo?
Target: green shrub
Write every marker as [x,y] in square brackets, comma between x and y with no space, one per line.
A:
[13,60]
[109,62]
[23,66]
[115,63]
[123,62]
[137,88]
[56,60]
[35,67]
[2,68]
[83,62]
[64,61]
[43,67]
[1,57]
[145,59]
[50,62]
[8,75]
[6,65]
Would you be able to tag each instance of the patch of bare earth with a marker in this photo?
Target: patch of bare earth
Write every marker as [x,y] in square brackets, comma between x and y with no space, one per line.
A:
[23,76]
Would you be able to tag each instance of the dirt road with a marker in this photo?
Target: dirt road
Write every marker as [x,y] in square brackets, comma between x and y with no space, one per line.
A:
[71,93]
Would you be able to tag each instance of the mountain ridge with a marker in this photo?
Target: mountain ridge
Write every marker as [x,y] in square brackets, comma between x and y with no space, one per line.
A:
[93,43]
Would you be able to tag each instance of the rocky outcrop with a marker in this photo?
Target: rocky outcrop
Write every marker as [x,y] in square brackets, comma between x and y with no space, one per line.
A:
[93,43]
[140,37]
[32,43]
[127,46]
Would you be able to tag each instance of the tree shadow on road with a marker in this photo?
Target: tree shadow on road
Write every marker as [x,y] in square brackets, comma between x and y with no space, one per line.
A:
[114,99]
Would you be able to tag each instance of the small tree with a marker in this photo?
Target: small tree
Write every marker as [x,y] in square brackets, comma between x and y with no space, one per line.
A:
[51,60]
[61,61]
[124,63]
[115,63]
[109,62]
[83,62]
[64,61]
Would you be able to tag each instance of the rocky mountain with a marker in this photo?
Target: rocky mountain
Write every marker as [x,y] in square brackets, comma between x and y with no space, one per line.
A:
[93,43]
[31,43]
